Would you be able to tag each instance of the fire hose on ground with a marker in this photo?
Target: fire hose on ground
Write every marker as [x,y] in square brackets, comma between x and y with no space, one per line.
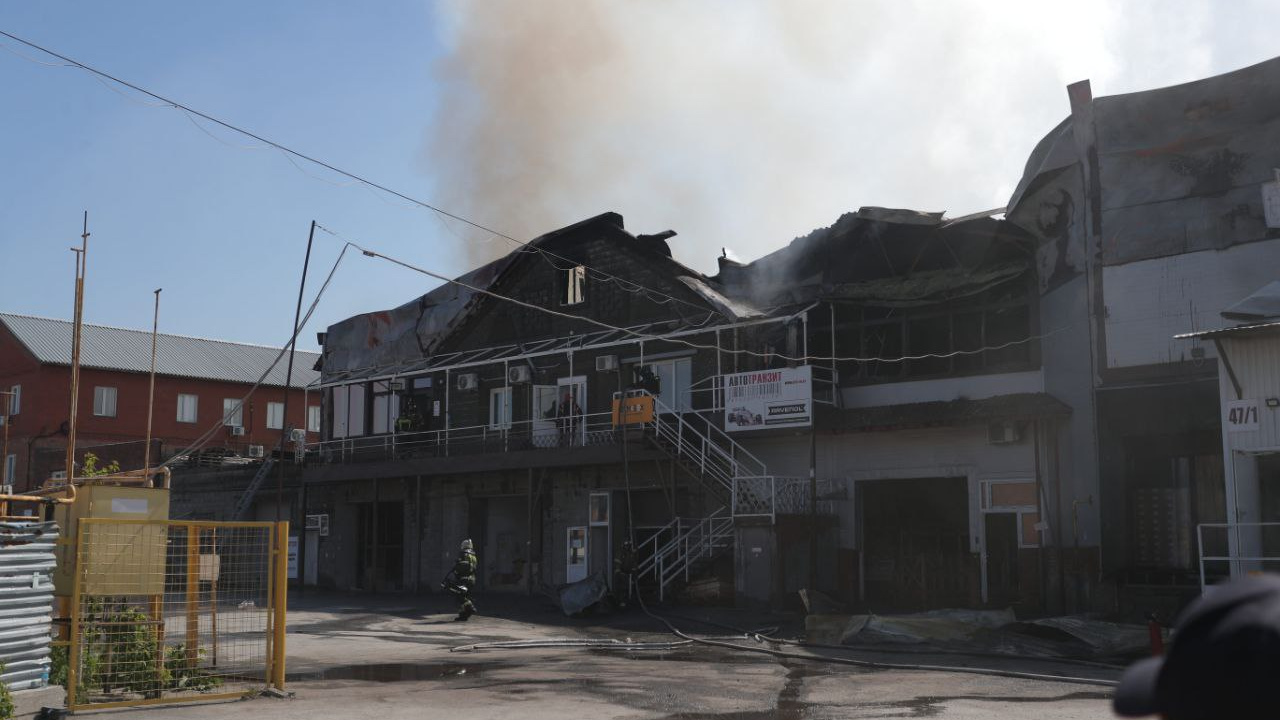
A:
[687,640]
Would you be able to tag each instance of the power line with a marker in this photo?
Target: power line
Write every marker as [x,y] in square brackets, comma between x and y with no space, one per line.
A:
[681,341]
[201,441]
[525,246]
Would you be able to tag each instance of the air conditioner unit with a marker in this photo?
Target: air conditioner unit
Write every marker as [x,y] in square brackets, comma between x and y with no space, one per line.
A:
[6,489]
[467,381]
[518,374]
[58,475]
[236,429]
[256,451]
[1003,433]
[298,435]
[606,363]
[397,385]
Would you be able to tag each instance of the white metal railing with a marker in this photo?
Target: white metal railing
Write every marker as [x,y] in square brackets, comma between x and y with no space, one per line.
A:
[773,495]
[702,446]
[670,552]
[1240,540]
[585,430]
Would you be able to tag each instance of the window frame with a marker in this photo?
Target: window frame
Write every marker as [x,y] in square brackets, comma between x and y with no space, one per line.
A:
[15,400]
[504,421]
[8,468]
[195,408]
[274,422]
[574,288]
[232,420]
[100,395]
[313,413]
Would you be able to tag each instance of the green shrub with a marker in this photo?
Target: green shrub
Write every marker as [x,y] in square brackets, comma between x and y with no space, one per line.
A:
[6,700]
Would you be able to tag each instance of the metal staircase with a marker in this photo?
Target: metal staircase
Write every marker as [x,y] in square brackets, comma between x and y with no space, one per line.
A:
[246,498]
[733,475]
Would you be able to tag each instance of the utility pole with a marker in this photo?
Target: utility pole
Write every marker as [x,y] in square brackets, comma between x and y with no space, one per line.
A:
[288,378]
[82,261]
[151,394]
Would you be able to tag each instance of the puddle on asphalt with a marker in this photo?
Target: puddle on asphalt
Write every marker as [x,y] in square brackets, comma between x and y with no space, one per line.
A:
[391,672]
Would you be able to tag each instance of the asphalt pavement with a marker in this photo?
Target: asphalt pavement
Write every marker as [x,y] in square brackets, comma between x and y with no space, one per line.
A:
[391,657]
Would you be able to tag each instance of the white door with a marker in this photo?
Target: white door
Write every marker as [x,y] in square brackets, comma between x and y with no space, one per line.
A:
[576,554]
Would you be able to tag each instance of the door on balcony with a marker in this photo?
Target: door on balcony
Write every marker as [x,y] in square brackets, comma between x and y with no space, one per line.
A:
[571,407]
[544,432]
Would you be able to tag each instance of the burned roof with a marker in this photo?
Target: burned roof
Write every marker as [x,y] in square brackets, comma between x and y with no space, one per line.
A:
[400,339]
[882,256]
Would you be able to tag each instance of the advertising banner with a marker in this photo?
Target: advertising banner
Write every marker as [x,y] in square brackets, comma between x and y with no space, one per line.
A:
[768,399]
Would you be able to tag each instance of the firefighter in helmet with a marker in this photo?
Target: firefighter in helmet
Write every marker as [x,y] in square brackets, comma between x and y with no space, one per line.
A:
[463,581]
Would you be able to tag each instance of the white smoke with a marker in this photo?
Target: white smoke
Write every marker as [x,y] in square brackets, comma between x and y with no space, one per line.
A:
[747,124]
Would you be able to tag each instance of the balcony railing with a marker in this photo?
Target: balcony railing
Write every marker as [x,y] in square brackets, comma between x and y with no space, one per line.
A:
[771,495]
[587,430]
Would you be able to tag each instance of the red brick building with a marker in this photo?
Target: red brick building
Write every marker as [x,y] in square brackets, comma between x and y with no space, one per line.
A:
[197,382]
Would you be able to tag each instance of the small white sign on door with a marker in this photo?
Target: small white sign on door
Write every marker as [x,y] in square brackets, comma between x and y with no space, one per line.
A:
[1241,416]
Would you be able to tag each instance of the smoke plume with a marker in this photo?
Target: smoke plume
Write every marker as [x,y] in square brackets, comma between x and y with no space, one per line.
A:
[747,124]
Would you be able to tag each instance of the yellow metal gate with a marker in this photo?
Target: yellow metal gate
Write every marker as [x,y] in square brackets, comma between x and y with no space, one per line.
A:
[167,611]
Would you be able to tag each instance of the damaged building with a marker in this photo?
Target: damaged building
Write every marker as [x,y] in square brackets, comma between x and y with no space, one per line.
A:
[902,410]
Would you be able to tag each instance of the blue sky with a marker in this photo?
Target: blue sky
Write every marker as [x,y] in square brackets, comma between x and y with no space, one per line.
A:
[221,229]
[740,125]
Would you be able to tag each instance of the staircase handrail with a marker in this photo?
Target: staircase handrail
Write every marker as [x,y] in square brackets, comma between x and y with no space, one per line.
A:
[719,438]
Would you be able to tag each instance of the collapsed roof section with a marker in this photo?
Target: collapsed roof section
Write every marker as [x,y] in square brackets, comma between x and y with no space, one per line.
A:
[881,256]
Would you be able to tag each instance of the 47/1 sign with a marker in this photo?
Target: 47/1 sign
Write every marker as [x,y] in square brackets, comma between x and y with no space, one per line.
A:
[1242,416]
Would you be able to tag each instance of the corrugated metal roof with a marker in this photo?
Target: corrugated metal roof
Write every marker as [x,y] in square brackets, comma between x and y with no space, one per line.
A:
[110,348]
[1238,330]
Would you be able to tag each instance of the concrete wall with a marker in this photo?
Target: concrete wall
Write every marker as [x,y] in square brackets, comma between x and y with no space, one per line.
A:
[931,452]
[1150,301]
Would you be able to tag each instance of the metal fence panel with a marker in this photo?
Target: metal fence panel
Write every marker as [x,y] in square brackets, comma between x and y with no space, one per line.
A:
[169,611]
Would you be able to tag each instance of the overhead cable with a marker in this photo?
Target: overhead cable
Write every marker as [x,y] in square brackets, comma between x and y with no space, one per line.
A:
[525,246]
[201,441]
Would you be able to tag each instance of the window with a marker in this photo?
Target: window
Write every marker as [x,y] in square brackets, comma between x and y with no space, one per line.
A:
[348,411]
[275,416]
[104,401]
[386,407]
[500,408]
[10,465]
[985,333]
[187,408]
[313,419]
[575,285]
[232,412]
[15,400]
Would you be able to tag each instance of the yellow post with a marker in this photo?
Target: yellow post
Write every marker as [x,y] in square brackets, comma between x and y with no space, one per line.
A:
[193,594]
[73,652]
[155,609]
[279,603]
